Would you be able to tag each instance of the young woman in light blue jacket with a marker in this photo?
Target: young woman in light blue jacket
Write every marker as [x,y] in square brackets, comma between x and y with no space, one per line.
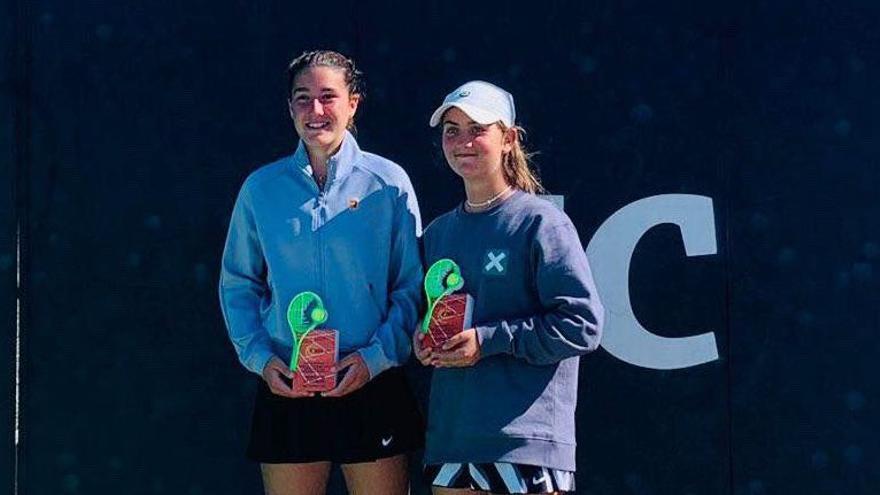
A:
[343,223]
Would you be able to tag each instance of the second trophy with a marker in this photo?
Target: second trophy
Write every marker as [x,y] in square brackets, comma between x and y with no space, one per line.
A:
[448,313]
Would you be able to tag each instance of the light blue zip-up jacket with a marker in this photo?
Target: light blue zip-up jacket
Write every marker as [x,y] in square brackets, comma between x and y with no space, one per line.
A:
[354,243]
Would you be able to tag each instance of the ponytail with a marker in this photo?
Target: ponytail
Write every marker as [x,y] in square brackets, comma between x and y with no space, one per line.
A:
[517,165]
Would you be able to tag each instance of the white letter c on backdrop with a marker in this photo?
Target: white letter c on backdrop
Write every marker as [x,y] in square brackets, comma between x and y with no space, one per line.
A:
[610,252]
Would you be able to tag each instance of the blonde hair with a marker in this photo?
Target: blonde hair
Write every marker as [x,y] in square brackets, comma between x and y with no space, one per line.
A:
[517,164]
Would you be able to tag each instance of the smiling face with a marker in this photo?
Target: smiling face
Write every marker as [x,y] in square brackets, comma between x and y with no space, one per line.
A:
[322,107]
[474,151]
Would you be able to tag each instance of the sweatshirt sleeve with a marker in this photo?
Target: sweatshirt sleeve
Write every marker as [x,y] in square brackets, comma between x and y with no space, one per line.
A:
[572,317]
[243,288]
[391,345]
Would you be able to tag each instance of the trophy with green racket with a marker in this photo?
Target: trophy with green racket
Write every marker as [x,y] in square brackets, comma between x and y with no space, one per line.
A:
[448,314]
[315,351]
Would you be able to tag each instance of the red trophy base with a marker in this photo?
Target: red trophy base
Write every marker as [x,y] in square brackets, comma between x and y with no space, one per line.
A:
[452,314]
[317,357]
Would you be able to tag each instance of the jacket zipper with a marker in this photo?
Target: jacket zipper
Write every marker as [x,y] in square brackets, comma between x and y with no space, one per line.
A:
[321,215]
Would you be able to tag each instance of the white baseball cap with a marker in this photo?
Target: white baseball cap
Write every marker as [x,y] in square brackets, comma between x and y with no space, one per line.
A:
[484,102]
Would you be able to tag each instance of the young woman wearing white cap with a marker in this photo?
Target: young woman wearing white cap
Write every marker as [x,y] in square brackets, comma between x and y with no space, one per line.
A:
[343,223]
[503,393]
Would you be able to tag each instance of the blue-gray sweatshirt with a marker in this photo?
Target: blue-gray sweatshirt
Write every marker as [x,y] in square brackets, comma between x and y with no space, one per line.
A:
[354,243]
[535,311]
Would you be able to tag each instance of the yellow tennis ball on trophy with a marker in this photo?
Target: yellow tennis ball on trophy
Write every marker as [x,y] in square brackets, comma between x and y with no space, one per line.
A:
[319,314]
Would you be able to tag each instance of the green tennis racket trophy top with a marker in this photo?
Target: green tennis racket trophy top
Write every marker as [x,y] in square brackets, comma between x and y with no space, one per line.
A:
[443,278]
[306,311]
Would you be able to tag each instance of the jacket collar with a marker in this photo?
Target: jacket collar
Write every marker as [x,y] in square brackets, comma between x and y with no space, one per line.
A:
[338,166]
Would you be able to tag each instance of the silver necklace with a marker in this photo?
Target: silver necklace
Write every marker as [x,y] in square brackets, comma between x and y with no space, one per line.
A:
[488,202]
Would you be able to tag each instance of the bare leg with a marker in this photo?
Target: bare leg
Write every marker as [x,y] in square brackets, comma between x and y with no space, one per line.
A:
[381,477]
[295,479]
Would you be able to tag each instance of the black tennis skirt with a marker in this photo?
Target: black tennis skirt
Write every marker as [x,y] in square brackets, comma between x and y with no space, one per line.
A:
[381,419]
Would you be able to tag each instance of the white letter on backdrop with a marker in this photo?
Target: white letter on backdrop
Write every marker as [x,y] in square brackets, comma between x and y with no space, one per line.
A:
[610,252]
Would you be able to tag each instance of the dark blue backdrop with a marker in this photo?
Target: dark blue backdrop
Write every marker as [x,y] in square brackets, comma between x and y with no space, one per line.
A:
[146,117]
